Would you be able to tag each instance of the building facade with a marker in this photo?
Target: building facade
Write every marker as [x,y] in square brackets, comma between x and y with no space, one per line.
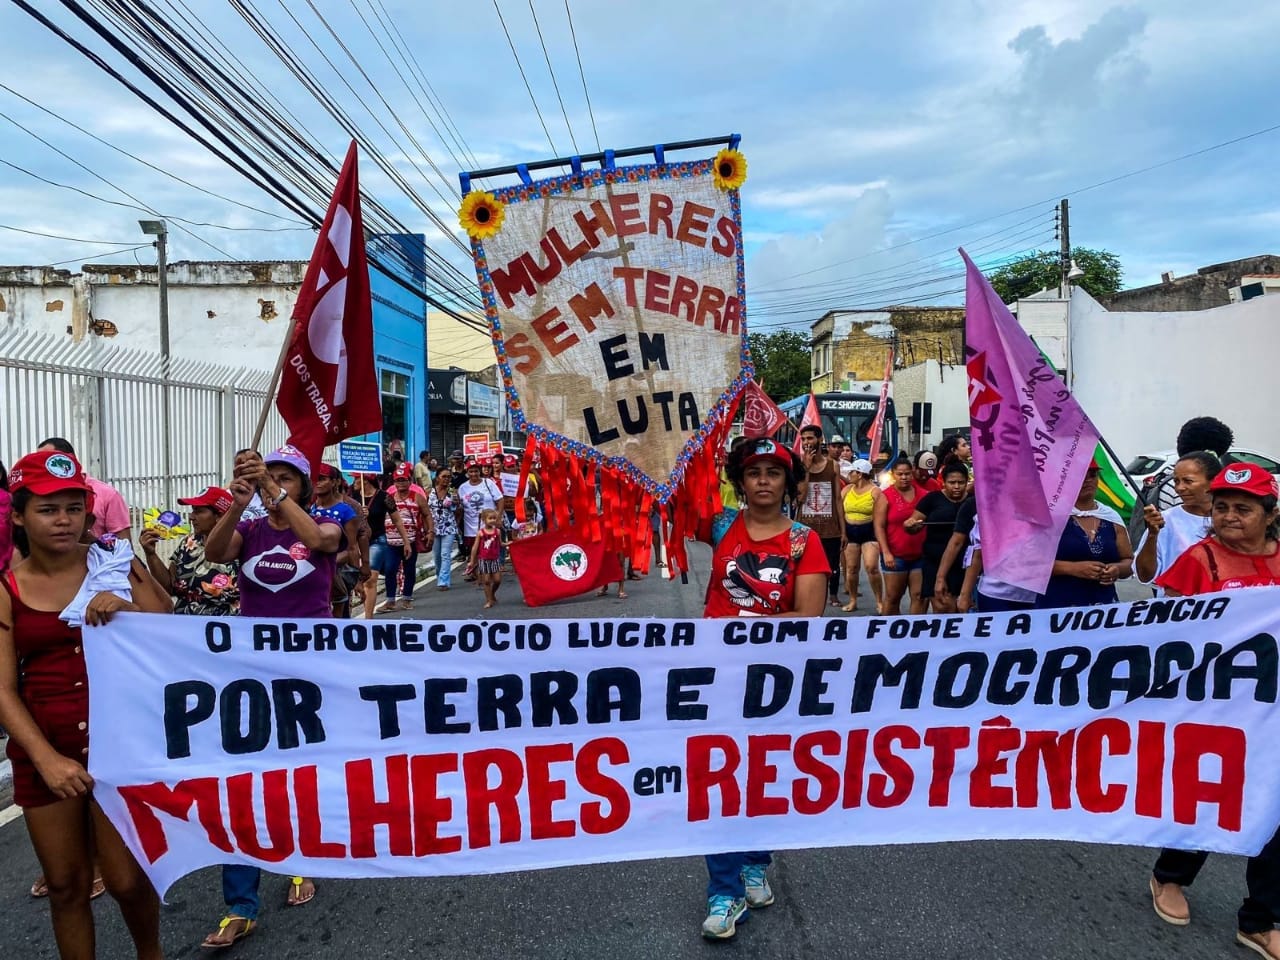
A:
[851,345]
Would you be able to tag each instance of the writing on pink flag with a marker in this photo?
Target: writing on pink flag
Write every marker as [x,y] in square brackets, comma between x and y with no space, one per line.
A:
[1032,442]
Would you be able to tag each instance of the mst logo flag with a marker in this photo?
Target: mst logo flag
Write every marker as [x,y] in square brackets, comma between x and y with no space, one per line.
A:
[329,388]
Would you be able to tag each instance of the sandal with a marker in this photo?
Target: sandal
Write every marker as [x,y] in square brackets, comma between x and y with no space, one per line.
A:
[850,606]
[39,888]
[211,943]
[622,594]
[634,576]
[603,591]
[296,897]
[98,889]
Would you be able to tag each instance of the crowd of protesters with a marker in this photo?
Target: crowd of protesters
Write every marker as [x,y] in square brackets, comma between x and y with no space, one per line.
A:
[796,529]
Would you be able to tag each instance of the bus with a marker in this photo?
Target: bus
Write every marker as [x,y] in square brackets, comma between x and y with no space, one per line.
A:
[848,415]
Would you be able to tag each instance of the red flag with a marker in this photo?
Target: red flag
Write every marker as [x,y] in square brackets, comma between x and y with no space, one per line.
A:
[877,425]
[810,417]
[560,564]
[329,387]
[760,415]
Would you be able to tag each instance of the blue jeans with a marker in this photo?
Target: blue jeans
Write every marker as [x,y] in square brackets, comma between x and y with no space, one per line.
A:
[724,872]
[240,890]
[442,553]
[387,559]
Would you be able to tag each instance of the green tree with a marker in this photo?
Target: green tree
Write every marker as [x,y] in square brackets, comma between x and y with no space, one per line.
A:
[1043,269]
[782,362]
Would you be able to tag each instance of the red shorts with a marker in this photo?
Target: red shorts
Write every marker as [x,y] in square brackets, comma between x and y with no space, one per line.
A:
[65,724]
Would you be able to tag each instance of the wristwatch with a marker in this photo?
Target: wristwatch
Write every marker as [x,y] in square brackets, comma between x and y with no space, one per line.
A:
[280,498]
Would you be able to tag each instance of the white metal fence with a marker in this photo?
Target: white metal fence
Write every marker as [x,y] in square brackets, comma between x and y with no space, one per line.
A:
[107,401]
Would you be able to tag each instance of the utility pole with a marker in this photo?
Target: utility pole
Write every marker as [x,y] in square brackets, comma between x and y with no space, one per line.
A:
[1064,233]
[159,230]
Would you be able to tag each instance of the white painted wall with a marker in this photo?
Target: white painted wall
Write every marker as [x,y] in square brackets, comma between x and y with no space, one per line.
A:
[232,314]
[1139,376]
[944,386]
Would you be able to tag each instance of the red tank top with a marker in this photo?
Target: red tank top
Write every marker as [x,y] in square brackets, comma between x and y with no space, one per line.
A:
[903,545]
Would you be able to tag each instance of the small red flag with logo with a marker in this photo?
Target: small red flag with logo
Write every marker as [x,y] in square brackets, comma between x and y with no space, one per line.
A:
[560,564]
[811,418]
[760,415]
[328,386]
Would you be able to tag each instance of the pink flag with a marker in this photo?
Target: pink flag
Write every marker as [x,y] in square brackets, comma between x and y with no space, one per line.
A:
[877,425]
[1031,441]
[810,417]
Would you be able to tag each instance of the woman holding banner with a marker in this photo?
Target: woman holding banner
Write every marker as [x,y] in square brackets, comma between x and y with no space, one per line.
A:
[901,547]
[764,565]
[287,563]
[44,696]
[1242,551]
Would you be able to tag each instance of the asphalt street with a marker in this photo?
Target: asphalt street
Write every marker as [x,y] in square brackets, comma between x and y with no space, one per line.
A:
[1016,900]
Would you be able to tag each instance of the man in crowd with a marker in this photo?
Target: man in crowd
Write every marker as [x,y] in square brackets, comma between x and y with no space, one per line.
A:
[422,472]
[822,507]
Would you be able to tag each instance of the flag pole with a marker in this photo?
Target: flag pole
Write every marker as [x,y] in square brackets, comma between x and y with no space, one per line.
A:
[269,399]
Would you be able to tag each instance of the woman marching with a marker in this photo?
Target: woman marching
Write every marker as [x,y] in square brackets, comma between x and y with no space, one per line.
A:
[764,566]
[443,505]
[936,515]
[44,697]
[1093,553]
[286,567]
[1243,550]
[901,547]
[1169,534]
[861,552]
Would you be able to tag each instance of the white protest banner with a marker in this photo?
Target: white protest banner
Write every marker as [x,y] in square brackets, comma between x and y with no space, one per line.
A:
[393,748]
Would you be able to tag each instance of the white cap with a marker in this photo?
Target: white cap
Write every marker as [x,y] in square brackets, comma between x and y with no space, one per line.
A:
[862,466]
[837,439]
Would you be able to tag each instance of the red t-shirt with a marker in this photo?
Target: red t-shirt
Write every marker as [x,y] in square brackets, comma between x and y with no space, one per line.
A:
[1208,566]
[903,545]
[758,577]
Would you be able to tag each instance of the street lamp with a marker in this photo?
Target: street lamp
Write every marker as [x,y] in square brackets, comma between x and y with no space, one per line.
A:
[159,230]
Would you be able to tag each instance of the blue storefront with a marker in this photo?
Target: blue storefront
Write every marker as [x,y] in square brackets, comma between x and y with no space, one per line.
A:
[400,342]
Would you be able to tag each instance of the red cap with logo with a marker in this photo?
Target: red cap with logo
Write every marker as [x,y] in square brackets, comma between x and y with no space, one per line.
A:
[511,460]
[766,449]
[404,471]
[47,472]
[1246,478]
[215,498]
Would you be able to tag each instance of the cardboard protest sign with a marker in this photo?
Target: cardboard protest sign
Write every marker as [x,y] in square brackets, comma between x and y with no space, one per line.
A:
[616,300]
[396,748]
[475,445]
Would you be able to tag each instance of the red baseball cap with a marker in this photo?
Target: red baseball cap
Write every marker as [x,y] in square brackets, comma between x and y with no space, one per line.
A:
[766,449]
[47,472]
[325,470]
[404,471]
[213,497]
[510,460]
[1246,478]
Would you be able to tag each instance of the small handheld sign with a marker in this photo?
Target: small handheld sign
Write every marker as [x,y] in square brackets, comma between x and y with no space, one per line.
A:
[358,456]
[475,445]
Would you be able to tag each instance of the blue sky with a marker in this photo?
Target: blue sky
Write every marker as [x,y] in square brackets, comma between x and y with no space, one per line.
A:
[867,127]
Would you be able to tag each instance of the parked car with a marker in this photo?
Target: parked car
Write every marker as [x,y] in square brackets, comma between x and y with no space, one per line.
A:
[1145,467]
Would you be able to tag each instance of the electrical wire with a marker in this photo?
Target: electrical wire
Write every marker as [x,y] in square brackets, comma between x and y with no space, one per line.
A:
[105,253]
[520,67]
[581,73]
[555,86]
[55,236]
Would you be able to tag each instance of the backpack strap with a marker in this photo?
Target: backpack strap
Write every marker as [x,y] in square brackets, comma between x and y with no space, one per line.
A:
[1211,560]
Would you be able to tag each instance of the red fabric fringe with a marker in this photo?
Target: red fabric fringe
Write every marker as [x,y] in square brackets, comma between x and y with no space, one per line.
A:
[622,518]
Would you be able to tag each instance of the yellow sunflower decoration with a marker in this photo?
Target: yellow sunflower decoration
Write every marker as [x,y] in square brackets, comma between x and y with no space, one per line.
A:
[481,214]
[729,169]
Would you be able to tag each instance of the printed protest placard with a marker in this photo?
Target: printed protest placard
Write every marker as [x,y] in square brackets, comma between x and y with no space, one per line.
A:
[475,445]
[384,748]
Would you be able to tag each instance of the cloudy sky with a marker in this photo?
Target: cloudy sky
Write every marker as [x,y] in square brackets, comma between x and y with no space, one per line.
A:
[880,135]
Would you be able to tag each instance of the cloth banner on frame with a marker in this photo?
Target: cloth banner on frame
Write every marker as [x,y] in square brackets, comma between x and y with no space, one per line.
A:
[616,302]
[397,748]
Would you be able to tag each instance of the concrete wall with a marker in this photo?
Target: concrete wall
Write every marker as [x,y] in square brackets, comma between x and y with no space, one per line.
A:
[859,340]
[1140,375]
[944,386]
[1206,288]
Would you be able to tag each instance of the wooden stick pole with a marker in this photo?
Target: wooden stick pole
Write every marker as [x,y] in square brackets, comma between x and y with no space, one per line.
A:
[271,389]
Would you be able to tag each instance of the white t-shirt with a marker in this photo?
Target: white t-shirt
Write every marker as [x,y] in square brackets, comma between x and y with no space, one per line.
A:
[476,497]
[1181,530]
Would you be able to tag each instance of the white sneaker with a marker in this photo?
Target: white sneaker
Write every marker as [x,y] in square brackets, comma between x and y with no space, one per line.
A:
[723,914]
[756,882]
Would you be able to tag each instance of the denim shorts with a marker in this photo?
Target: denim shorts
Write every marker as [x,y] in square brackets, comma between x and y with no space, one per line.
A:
[902,566]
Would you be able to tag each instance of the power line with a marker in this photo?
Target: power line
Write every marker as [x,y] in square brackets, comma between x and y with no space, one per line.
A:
[556,86]
[520,67]
[578,53]
[105,253]
[55,236]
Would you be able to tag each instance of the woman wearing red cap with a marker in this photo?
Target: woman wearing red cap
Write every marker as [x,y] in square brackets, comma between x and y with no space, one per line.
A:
[1242,551]
[764,566]
[44,699]
[418,531]
[199,587]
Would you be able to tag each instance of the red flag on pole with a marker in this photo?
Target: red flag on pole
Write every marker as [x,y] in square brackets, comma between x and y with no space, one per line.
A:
[877,425]
[760,415]
[811,416]
[329,387]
